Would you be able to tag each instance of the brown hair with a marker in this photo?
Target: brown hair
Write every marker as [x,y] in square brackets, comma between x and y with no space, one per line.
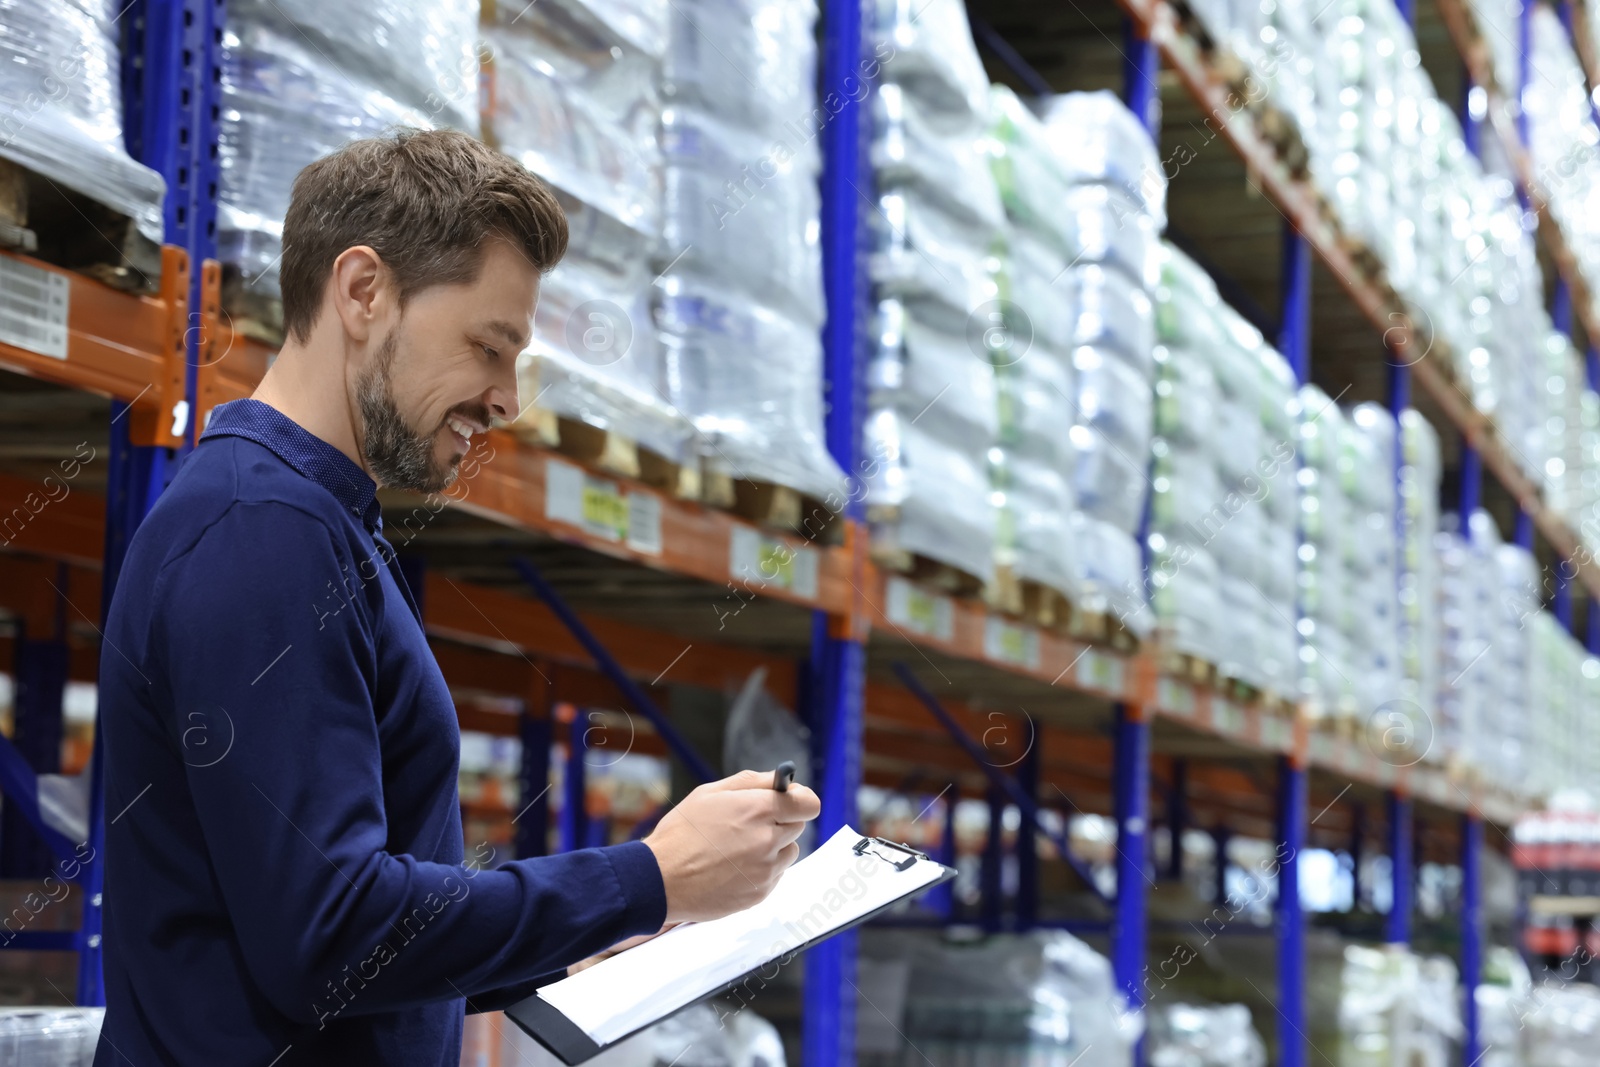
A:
[425,201]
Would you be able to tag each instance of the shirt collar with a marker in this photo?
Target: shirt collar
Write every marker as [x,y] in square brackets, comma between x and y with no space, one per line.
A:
[307,453]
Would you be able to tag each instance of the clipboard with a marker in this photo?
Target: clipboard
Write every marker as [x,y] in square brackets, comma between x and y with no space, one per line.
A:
[551,1027]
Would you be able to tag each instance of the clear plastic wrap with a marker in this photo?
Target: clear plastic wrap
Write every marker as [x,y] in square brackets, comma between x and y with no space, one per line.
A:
[1564,1028]
[750,378]
[49,1037]
[284,105]
[61,92]
[1395,1007]
[1038,998]
[1204,1035]
[933,56]
[1098,140]
[750,62]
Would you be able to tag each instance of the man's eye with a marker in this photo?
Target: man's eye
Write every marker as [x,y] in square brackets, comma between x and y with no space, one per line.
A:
[492,353]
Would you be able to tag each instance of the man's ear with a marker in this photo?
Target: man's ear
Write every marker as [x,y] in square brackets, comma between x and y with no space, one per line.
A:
[361,289]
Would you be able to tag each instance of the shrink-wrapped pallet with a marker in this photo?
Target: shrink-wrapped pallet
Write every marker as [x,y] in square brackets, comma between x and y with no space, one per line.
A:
[61,104]
[572,96]
[738,299]
[301,79]
[932,415]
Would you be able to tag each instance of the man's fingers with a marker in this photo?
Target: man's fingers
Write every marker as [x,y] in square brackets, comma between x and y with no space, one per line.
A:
[787,855]
[743,780]
[800,804]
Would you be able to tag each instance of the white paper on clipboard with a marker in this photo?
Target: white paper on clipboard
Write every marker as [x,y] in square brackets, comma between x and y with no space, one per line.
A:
[824,892]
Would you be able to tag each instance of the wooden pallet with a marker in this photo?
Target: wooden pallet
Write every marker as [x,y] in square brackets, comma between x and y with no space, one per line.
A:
[773,506]
[1192,669]
[256,315]
[608,450]
[1101,628]
[935,575]
[1280,131]
[67,229]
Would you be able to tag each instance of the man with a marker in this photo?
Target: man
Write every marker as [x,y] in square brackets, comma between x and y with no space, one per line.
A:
[286,880]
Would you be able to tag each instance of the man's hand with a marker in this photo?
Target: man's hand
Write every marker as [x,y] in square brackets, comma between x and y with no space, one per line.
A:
[722,849]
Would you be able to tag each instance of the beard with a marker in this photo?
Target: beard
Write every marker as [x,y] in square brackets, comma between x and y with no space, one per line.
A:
[398,456]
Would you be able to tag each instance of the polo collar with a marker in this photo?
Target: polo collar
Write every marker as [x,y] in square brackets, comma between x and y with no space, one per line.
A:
[307,453]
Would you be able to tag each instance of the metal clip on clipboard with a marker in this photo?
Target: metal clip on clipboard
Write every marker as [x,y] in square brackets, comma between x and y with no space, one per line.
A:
[869,846]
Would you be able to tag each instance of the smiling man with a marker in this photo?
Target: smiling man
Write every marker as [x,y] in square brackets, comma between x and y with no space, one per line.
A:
[286,879]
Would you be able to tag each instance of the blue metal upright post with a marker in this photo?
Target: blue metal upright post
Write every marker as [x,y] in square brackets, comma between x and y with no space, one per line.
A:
[1561,595]
[991,899]
[837,685]
[1141,77]
[1177,818]
[1524,66]
[1028,843]
[1292,798]
[1131,804]
[1591,364]
[1471,483]
[573,827]
[1471,123]
[1592,628]
[1471,929]
[1220,836]
[533,822]
[1294,331]
[1561,308]
[1522,530]
[1358,851]
[41,681]
[941,899]
[1402,876]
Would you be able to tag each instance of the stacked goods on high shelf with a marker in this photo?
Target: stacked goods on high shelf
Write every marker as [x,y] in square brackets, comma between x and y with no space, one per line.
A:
[300,78]
[61,93]
[738,298]
[931,407]
[49,1037]
[572,96]
[1563,689]
[1204,1035]
[1561,135]
[1396,1007]
[1418,619]
[1117,199]
[1350,663]
[1032,467]
[1488,598]
[1568,435]
[1414,205]
[1223,511]
[1039,998]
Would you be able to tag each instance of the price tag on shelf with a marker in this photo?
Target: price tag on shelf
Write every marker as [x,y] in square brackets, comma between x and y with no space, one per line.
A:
[601,508]
[33,308]
[918,611]
[761,561]
[1175,697]
[1006,642]
[1098,669]
[1226,716]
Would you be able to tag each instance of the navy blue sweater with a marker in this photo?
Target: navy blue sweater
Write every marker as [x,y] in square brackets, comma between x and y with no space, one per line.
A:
[286,879]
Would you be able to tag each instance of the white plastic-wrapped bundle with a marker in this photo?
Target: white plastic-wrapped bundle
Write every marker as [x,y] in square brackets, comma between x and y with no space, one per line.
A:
[1324,580]
[1204,1035]
[1419,567]
[301,79]
[1563,1026]
[932,407]
[1395,1007]
[739,304]
[1557,691]
[49,1037]
[1559,438]
[1466,613]
[61,97]
[1037,998]
[575,102]
[1372,619]
[1116,204]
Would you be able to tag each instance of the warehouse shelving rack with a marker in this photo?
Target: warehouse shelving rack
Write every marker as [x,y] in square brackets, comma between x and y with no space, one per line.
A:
[902,687]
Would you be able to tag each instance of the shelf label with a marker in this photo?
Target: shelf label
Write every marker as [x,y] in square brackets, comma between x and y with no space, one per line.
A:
[1101,670]
[920,612]
[1277,733]
[761,561]
[1006,642]
[601,508]
[1226,716]
[1175,697]
[33,308]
